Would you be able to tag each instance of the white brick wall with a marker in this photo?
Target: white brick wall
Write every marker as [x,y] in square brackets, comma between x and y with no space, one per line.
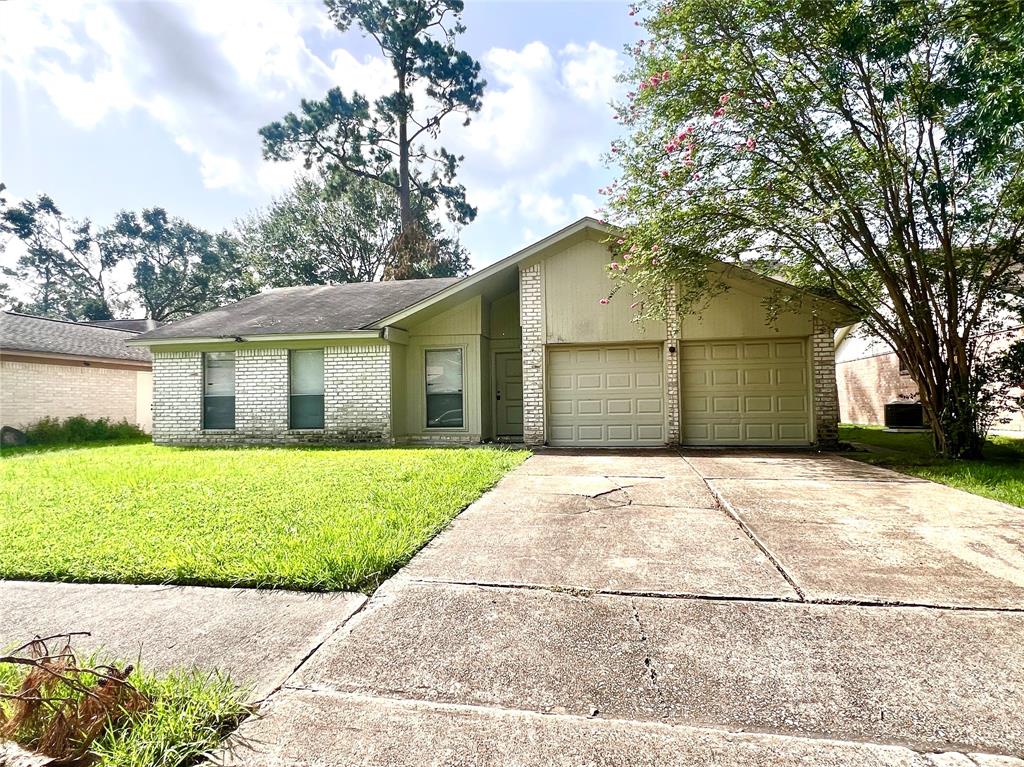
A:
[357,398]
[31,391]
[357,393]
[531,318]
[826,393]
[178,397]
[672,366]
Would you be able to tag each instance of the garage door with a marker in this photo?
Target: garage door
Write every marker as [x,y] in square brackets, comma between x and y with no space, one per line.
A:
[751,392]
[608,396]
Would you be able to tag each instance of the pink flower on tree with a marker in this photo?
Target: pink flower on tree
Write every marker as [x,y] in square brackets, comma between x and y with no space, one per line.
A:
[664,174]
[603,302]
[664,76]
[614,265]
[655,248]
[720,112]
[751,144]
[724,99]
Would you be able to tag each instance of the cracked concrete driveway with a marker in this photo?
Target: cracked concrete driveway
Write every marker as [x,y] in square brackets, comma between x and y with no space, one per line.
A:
[656,608]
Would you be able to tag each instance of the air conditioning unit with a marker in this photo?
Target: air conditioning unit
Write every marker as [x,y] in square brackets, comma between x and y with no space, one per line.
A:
[904,416]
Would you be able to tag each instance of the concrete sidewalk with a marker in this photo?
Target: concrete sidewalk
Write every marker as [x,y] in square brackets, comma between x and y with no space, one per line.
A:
[257,637]
[647,608]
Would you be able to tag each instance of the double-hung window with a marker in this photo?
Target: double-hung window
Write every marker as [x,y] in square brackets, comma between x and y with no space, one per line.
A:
[306,382]
[444,389]
[219,390]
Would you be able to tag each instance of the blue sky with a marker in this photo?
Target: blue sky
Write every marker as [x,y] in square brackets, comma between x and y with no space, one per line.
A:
[125,105]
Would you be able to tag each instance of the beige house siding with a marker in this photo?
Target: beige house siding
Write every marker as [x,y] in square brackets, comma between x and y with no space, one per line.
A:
[33,390]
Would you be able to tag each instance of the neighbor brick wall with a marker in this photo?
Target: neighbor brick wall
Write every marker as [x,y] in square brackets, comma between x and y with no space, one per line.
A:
[867,385]
[531,319]
[357,398]
[826,395]
[357,394]
[672,368]
[31,391]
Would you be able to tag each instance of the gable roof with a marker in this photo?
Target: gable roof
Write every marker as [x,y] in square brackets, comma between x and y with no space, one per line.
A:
[350,307]
[42,335]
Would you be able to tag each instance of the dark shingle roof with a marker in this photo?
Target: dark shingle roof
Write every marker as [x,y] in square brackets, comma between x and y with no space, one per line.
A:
[305,309]
[25,333]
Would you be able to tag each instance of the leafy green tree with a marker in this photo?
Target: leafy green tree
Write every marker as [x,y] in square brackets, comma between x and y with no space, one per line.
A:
[61,265]
[393,141]
[870,151]
[311,236]
[178,269]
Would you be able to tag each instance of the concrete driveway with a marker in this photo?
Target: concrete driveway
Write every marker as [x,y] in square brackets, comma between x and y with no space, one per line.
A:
[652,608]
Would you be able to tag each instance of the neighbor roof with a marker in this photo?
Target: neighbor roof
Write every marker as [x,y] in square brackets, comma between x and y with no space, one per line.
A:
[306,309]
[27,333]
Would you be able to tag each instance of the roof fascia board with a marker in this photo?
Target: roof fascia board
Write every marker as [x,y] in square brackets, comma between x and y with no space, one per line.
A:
[200,341]
[9,351]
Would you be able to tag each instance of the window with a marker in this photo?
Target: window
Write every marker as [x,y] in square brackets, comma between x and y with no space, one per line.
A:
[444,389]
[219,390]
[306,376]
[904,370]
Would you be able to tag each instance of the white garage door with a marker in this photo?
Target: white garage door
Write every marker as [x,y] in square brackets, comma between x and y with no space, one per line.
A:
[609,396]
[751,392]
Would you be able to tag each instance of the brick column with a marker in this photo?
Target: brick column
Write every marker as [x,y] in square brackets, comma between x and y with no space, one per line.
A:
[531,319]
[261,394]
[826,393]
[357,393]
[177,397]
[672,366]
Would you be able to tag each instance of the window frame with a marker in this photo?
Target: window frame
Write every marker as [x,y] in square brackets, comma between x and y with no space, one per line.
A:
[462,390]
[206,356]
[323,391]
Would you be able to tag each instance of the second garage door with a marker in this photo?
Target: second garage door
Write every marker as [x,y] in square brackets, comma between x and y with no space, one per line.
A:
[751,392]
[609,396]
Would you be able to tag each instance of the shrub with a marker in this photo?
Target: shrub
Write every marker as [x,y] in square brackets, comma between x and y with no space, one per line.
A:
[53,431]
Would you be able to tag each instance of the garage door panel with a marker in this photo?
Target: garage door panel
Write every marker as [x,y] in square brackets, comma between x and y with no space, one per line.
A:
[725,377]
[746,392]
[757,377]
[615,396]
[794,432]
[620,407]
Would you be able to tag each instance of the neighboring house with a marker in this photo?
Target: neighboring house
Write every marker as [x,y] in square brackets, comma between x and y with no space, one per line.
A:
[60,369]
[870,376]
[519,351]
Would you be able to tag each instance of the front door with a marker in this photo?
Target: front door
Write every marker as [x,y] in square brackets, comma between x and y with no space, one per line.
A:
[508,393]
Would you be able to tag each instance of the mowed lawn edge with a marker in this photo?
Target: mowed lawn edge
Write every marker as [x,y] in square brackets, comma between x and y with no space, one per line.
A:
[999,475]
[308,519]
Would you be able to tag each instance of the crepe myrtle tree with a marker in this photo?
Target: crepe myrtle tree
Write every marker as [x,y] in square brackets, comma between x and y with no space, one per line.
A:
[867,151]
[393,141]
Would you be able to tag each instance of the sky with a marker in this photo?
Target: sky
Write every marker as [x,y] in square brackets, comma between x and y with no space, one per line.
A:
[107,106]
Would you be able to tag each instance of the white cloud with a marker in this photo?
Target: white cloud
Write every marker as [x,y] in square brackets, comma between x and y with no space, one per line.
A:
[212,73]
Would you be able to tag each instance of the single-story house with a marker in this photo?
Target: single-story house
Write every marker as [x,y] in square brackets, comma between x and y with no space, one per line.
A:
[870,376]
[521,351]
[57,369]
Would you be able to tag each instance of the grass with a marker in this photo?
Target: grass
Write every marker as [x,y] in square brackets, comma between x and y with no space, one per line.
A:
[299,518]
[190,714]
[1000,475]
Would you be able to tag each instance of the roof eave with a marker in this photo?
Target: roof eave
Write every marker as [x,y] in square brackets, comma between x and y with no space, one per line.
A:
[256,338]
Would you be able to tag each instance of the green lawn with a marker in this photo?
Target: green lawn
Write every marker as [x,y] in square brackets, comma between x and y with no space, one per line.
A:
[1000,475]
[301,518]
